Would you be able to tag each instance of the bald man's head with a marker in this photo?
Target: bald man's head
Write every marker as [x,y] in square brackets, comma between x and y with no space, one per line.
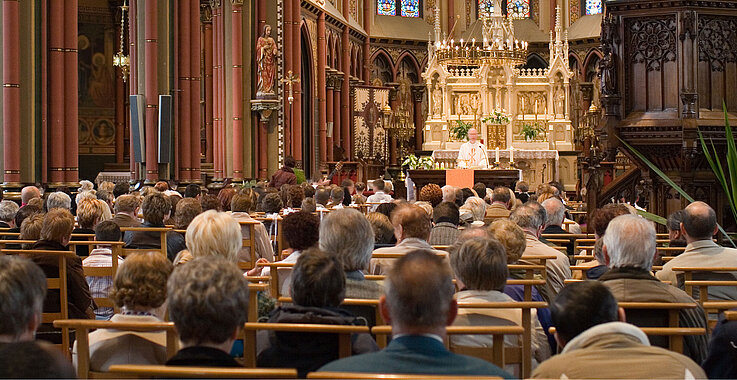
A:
[28,193]
[699,221]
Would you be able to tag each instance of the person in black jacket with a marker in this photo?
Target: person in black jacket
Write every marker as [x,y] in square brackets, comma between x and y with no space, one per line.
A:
[318,288]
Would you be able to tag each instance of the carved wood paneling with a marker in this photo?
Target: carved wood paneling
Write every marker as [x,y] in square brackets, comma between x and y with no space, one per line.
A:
[717,61]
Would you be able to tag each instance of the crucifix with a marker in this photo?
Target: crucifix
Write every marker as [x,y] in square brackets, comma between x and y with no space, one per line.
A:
[290,80]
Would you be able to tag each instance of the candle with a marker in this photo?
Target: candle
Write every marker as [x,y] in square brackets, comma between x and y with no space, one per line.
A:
[511,154]
[497,154]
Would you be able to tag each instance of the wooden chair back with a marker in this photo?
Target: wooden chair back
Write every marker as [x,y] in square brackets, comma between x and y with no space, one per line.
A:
[162,239]
[249,243]
[15,244]
[496,355]
[253,290]
[343,333]
[521,355]
[367,309]
[181,372]
[117,250]
[662,315]
[278,238]
[278,273]
[54,283]
[82,329]
[528,285]
[688,275]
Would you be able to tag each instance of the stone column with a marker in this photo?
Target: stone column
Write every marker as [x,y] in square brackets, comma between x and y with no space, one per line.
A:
[218,143]
[194,87]
[367,16]
[288,66]
[11,92]
[321,88]
[56,93]
[71,92]
[297,68]
[183,67]
[236,33]
[206,17]
[329,115]
[345,103]
[337,122]
[133,79]
[152,90]
[418,90]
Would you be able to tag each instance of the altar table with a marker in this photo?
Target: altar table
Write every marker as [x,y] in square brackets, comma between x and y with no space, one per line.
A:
[490,178]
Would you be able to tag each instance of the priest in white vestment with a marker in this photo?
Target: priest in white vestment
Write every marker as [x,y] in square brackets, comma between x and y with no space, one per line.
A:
[473,153]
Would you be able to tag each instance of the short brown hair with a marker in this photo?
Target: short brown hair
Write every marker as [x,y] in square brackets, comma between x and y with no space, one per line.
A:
[31,227]
[295,195]
[481,264]
[155,207]
[161,186]
[301,230]
[379,184]
[141,281]
[501,194]
[602,216]
[57,225]
[243,201]
[225,195]
[89,212]
[431,193]
[414,221]
[318,280]
[209,202]
[382,226]
[127,203]
[187,209]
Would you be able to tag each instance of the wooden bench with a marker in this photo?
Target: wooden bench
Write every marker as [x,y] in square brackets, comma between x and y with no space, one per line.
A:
[389,376]
[116,248]
[278,273]
[671,311]
[249,243]
[82,329]
[162,239]
[253,290]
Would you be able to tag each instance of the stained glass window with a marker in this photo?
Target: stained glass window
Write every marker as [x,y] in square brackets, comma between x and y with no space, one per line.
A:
[410,8]
[518,8]
[593,7]
[386,7]
[486,8]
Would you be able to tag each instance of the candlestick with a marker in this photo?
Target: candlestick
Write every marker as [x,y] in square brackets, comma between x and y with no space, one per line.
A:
[511,154]
[497,154]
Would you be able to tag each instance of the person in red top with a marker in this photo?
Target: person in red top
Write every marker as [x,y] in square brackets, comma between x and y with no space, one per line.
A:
[285,175]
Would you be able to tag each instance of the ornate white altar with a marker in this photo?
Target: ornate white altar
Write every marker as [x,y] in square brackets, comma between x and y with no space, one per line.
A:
[546,171]
[531,98]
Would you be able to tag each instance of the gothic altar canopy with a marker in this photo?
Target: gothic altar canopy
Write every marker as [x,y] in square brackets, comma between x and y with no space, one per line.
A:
[479,83]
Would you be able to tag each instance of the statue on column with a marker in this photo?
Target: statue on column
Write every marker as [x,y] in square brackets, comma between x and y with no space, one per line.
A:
[608,75]
[559,100]
[266,58]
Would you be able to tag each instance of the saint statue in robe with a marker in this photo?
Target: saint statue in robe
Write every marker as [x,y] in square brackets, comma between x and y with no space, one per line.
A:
[473,153]
[266,60]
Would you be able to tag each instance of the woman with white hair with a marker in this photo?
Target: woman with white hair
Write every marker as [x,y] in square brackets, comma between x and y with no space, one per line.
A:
[212,233]
[473,211]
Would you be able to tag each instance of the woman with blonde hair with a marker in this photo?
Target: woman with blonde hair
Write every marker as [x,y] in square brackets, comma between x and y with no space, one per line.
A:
[139,291]
[212,233]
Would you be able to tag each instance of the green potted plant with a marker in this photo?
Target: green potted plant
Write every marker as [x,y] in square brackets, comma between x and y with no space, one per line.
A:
[460,131]
[530,132]
[413,162]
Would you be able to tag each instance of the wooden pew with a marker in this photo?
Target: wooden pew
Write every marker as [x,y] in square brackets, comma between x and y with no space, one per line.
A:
[174,372]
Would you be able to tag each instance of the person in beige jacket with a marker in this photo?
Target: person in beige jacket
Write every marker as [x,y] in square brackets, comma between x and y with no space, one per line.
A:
[598,344]
[480,268]
[531,218]
[698,226]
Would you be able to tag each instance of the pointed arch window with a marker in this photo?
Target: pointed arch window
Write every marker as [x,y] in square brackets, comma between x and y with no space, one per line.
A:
[485,8]
[518,9]
[593,7]
[404,8]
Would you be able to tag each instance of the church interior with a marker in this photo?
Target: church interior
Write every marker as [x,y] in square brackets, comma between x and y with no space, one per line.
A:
[439,121]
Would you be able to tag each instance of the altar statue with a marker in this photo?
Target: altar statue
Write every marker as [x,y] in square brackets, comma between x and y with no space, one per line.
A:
[266,58]
[472,153]
[437,102]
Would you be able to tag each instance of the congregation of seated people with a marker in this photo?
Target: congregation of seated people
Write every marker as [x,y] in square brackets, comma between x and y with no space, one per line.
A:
[353,254]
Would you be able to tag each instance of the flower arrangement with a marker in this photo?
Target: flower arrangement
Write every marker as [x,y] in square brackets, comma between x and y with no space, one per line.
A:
[460,130]
[413,162]
[530,132]
[497,117]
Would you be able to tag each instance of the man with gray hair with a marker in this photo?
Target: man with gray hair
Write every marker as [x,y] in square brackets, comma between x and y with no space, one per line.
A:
[419,305]
[531,220]
[8,209]
[22,291]
[28,193]
[208,303]
[629,250]
[555,214]
[698,226]
[348,235]
[58,199]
